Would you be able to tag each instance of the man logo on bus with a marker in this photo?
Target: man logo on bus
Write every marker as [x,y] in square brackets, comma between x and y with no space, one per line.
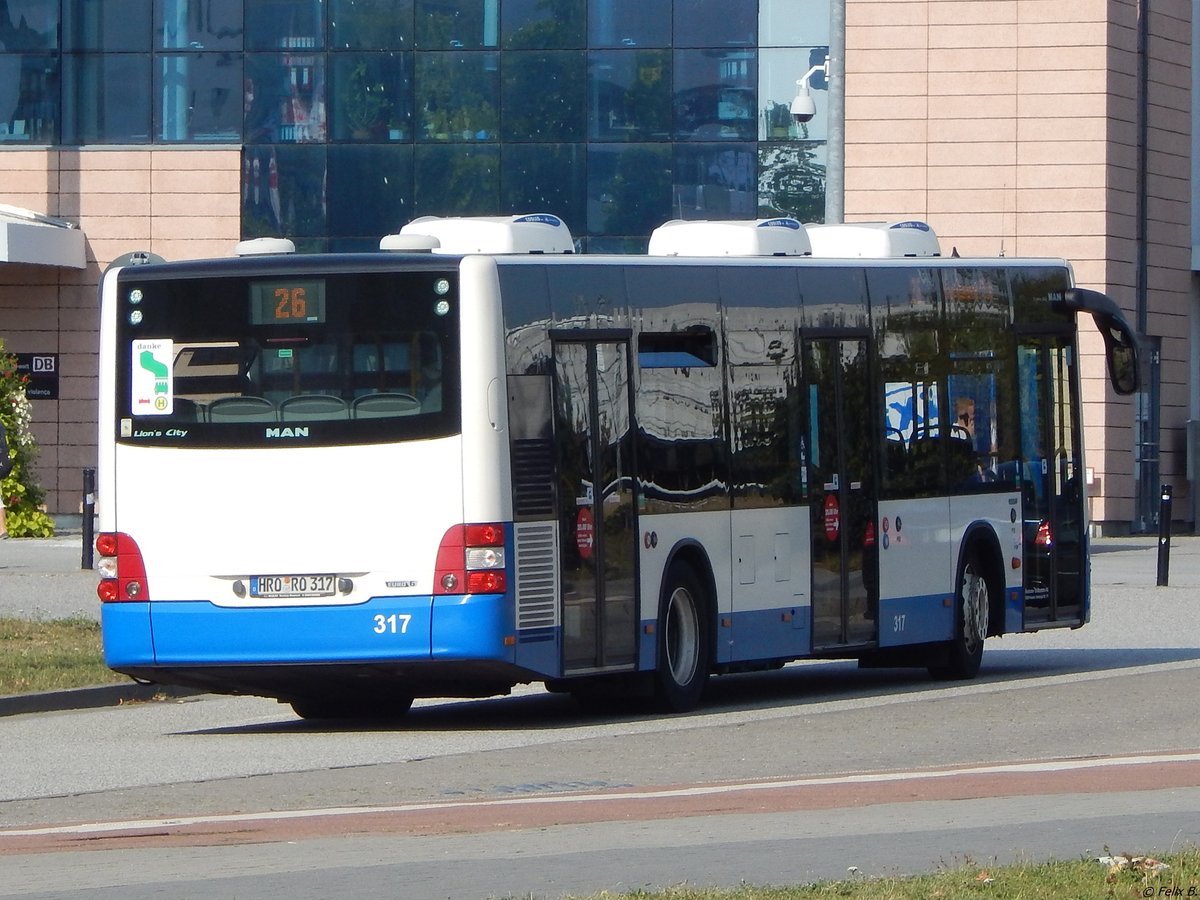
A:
[299,432]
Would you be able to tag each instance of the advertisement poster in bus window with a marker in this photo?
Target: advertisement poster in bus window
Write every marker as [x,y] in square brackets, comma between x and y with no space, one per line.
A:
[150,379]
[912,410]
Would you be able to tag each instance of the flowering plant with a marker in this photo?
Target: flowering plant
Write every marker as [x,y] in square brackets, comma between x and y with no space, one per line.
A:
[25,514]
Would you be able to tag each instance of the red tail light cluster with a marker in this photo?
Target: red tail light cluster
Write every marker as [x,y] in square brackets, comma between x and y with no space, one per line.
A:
[470,560]
[122,570]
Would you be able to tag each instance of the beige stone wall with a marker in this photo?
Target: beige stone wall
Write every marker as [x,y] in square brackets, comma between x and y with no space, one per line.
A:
[1009,125]
[180,204]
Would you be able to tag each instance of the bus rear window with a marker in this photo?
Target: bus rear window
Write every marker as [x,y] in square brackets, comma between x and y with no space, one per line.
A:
[343,358]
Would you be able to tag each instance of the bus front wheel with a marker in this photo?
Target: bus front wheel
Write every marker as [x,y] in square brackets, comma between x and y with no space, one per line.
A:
[970,624]
[683,643]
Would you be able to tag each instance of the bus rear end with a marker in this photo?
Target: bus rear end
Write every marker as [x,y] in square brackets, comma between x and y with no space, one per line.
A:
[286,505]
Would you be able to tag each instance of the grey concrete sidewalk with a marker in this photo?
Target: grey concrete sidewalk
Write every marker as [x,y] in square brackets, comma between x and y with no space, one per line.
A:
[43,579]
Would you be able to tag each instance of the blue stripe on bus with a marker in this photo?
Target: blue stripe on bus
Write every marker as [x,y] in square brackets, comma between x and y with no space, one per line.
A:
[383,629]
[915,620]
[771,633]
[127,638]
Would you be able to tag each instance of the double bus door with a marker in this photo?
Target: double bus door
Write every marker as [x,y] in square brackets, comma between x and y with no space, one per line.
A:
[841,467]
[594,437]
[1054,536]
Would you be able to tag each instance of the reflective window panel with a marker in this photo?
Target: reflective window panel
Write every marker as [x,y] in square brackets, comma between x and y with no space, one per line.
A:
[371,96]
[198,24]
[778,74]
[198,97]
[793,23]
[716,23]
[457,180]
[458,96]
[106,98]
[545,178]
[714,181]
[629,23]
[715,95]
[285,24]
[457,24]
[629,95]
[542,24]
[284,98]
[791,180]
[30,25]
[29,91]
[106,25]
[373,190]
[283,192]
[629,188]
[371,24]
[542,96]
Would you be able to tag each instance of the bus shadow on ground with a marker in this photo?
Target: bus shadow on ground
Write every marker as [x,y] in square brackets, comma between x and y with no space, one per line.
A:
[809,682]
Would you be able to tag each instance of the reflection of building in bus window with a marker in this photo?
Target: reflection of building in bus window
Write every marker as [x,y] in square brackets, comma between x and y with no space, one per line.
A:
[429,390]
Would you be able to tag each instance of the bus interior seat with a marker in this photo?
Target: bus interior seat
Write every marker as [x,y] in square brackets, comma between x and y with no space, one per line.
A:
[310,407]
[185,410]
[241,409]
[377,406]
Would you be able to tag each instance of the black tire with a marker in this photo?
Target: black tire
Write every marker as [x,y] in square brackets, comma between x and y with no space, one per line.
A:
[971,611]
[327,706]
[684,647]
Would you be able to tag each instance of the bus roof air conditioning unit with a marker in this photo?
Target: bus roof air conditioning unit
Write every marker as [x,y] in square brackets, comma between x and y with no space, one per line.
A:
[533,233]
[781,236]
[877,240]
[264,246]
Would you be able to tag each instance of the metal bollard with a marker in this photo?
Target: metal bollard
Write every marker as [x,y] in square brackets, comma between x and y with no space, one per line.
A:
[1164,535]
[87,560]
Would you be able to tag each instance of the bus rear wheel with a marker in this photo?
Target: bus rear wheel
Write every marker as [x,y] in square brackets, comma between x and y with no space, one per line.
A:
[970,624]
[683,642]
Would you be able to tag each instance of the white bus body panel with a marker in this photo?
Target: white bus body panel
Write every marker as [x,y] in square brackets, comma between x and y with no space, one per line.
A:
[486,478]
[376,516]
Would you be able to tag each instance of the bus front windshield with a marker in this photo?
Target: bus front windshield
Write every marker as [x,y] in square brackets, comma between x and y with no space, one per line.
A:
[330,358]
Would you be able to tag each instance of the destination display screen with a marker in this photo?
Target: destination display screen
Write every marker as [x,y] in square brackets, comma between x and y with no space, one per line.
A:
[287,302]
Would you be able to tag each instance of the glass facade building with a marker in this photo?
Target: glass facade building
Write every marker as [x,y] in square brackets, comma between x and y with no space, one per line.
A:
[356,116]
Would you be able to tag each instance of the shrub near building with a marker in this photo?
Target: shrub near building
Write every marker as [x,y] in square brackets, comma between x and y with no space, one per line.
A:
[25,514]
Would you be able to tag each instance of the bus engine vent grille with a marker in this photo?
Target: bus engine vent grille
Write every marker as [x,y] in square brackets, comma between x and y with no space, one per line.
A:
[537,575]
[533,477]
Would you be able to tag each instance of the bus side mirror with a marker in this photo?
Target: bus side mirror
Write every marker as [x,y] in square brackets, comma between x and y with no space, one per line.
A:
[1121,352]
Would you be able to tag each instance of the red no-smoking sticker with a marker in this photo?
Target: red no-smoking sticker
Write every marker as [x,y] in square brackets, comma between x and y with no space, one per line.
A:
[833,517]
[585,534]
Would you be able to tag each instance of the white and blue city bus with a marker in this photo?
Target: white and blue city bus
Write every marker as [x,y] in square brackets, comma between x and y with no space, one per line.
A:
[349,480]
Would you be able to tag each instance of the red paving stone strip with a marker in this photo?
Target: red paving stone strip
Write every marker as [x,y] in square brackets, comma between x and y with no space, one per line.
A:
[1080,776]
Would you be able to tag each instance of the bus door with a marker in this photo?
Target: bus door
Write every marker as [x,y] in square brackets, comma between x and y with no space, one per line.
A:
[594,438]
[841,467]
[1051,494]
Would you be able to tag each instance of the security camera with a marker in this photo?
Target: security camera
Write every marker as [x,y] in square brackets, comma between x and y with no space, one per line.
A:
[803,108]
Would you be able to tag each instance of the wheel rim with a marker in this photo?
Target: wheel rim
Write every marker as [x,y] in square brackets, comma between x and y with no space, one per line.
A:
[682,641]
[975,609]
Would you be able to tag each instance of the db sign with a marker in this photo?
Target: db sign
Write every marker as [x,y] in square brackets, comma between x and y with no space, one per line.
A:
[42,369]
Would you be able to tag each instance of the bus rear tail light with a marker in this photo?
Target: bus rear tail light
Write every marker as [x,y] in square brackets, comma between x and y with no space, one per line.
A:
[470,560]
[122,569]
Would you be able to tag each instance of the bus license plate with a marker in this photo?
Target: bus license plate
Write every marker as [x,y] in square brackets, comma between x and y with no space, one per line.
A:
[281,587]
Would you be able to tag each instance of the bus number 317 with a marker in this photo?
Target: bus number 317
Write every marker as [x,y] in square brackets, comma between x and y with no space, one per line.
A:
[396,623]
